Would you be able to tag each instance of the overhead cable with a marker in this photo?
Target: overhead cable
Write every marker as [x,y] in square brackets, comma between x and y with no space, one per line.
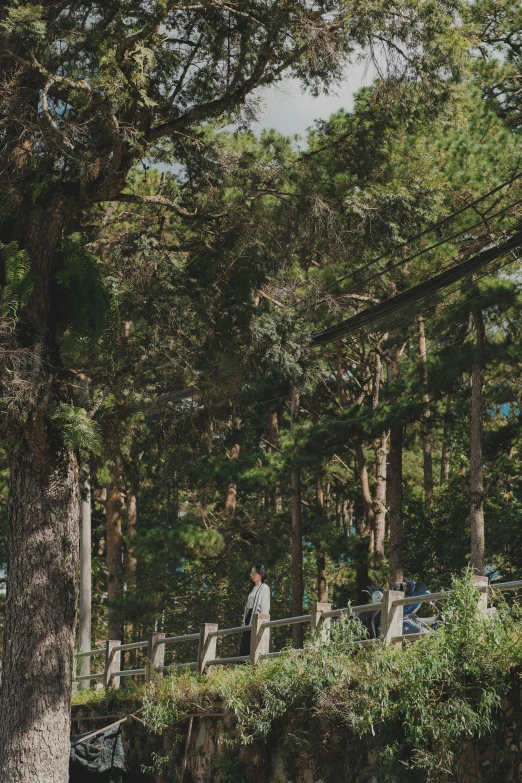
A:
[425,231]
[376,313]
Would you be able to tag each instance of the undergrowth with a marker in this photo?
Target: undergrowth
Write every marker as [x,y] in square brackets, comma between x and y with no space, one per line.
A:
[413,708]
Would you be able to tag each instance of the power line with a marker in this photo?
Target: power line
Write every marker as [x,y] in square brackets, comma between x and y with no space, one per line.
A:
[425,231]
[376,313]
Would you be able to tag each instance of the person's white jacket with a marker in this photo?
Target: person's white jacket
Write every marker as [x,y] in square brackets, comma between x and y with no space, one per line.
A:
[258,600]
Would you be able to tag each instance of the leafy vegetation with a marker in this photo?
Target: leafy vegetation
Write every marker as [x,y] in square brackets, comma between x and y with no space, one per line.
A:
[414,707]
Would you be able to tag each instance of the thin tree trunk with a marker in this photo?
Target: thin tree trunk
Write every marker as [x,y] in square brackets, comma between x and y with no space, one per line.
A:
[445,460]
[297,534]
[476,464]
[273,438]
[379,499]
[132,530]
[231,497]
[340,374]
[322,580]
[115,552]
[42,591]
[85,577]
[361,470]
[85,634]
[394,488]
[426,416]
[381,454]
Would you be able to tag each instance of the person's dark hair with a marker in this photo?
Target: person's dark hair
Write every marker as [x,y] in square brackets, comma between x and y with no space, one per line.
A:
[261,570]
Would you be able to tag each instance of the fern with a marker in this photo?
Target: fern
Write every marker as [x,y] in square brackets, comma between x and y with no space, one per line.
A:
[86,298]
[77,431]
[18,285]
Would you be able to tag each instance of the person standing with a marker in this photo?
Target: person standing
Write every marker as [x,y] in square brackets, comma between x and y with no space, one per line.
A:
[258,602]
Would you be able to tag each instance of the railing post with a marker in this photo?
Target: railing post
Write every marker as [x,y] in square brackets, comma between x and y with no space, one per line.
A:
[317,622]
[155,656]
[391,616]
[259,638]
[481,581]
[112,663]
[207,646]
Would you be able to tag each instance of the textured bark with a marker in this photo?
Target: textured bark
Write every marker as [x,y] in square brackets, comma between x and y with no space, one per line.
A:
[231,496]
[273,445]
[445,460]
[379,499]
[85,637]
[427,462]
[322,579]
[115,554]
[476,465]
[320,519]
[340,374]
[394,487]
[381,455]
[42,588]
[132,530]
[297,534]
[40,615]
[361,470]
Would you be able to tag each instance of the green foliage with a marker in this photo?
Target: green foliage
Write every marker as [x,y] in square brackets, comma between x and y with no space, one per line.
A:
[24,24]
[18,283]
[85,299]
[413,707]
[77,431]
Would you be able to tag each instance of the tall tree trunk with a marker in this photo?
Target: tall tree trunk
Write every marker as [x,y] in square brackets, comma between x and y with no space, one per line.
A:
[42,579]
[115,553]
[40,618]
[85,635]
[273,445]
[445,460]
[231,497]
[361,471]
[85,576]
[476,464]
[381,455]
[297,533]
[394,486]
[379,499]
[426,416]
[322,581]
[132,530]
[340,373]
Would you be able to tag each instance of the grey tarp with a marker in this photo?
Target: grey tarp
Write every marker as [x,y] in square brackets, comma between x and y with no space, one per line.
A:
[103,755]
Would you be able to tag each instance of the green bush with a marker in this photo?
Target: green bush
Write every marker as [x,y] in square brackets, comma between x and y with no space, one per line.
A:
[413,706]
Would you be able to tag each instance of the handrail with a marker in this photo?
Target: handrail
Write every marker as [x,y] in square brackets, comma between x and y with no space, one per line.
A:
[234,659]
[94,676]
[229,631]
[190,637]
[209,637]
[503,586]
[304,618]
[130,646]
[99,651]
[128,672]
[349,610]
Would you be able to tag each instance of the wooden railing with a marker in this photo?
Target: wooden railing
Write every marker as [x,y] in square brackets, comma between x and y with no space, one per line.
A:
[391,620]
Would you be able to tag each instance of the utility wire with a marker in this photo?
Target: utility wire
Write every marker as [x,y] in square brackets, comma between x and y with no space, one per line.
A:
[425,231]
[372,315]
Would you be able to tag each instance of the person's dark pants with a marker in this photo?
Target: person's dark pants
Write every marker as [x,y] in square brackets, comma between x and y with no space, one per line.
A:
[245,639]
